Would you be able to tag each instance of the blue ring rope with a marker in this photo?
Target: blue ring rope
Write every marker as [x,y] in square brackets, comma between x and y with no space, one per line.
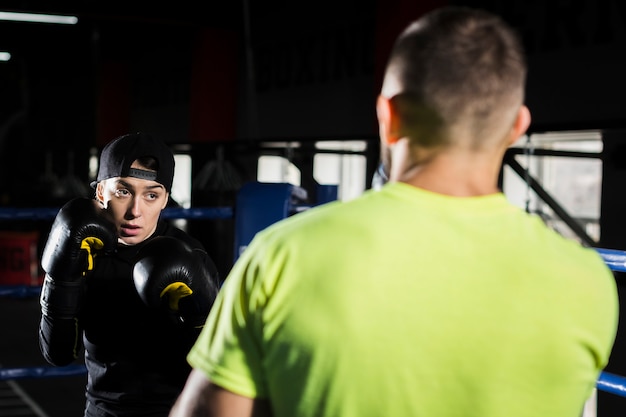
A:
[14,213]
[611,383]
[19,291]
[41,372]
[615,259]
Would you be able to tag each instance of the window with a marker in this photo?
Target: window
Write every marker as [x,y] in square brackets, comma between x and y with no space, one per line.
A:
[340,163]
[568,166]
[342,168]
[277,169]
[181,187]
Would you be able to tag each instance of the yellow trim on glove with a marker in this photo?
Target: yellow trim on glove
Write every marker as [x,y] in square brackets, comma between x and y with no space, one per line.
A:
[176,291]
[88,244]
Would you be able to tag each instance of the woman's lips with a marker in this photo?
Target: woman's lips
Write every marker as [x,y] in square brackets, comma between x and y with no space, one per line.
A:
[129,230]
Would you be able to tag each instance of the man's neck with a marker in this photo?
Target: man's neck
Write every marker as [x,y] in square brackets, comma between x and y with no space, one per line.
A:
[454,173]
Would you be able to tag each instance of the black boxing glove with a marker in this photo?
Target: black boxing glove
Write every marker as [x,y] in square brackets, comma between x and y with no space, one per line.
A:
[80,230]
[172,277]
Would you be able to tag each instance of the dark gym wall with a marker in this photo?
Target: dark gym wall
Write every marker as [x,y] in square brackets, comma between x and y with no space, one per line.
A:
[178,82]
[284,72]
[576,58]
[317,70]
[313,73]
[321,79]
[44,117]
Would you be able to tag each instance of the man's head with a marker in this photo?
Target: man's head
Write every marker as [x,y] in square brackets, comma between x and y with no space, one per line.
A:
[134,181]
[455,77]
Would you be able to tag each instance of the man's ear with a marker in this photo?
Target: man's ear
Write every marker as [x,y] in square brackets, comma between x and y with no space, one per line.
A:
[521,123]
[167,199]
[387,120]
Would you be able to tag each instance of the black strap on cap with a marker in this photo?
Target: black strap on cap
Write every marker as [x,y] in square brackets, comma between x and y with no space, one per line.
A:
[142,174]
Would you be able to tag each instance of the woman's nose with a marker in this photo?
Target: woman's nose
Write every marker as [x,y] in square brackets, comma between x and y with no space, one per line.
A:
[135,207]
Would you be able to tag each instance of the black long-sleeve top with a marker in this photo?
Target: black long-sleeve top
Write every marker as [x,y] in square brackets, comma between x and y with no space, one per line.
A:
[135,357]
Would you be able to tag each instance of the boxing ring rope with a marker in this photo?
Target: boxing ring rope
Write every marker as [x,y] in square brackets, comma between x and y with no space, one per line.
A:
[612,383]
[615,260]
[19,291]
[168,213]
[41,372]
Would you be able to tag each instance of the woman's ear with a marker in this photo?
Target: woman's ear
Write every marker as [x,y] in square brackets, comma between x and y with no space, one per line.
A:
[387,120]
[100,193]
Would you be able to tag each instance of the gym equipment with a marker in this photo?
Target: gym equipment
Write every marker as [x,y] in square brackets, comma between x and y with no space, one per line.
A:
[260,205]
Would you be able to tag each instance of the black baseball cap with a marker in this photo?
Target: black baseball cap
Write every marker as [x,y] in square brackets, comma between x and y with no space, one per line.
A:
[118,155]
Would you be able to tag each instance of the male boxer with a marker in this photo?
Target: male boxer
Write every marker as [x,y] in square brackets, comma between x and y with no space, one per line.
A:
[433,296]
[128,287]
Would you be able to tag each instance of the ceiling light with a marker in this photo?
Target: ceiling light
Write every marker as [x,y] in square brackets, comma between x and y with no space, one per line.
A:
[39,18]
[5,56]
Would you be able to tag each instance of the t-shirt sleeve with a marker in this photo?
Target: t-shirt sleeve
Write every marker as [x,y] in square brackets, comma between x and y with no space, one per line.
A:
[229,348]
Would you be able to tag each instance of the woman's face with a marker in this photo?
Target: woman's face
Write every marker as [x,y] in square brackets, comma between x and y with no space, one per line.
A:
[134,204]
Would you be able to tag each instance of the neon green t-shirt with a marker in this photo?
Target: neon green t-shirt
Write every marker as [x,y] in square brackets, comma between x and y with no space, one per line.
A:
[404,302]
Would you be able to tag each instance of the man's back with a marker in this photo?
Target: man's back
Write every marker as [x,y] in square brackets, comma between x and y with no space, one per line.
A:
[405,302]
[432,297]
